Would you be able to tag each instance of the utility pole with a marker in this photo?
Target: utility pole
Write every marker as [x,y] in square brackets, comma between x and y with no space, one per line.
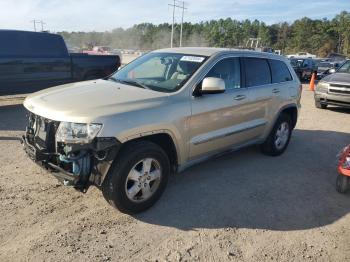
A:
[38,22]
[182,21]
[34,23]
[42,25]
[172,26]
[176,5]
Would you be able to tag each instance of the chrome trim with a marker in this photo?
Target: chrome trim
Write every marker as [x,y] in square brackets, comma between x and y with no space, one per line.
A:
[200,140]
[217,153]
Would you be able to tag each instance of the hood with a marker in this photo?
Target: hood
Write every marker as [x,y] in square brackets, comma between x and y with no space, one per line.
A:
[322,69]
[86,102]
[337,78]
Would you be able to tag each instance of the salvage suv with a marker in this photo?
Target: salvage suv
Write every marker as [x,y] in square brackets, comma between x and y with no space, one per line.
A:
[158,115]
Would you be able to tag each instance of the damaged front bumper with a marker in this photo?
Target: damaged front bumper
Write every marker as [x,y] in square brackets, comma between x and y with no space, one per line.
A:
[77,165]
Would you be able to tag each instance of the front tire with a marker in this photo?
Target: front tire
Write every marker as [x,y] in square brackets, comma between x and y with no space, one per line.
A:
[319,105]
[342,183]
[137,178]
[279,137]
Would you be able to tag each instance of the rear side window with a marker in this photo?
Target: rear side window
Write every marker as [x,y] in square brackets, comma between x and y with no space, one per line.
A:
[42,44]
[11,43]
[280,71]
[31,44]
[257,72]
[228,69]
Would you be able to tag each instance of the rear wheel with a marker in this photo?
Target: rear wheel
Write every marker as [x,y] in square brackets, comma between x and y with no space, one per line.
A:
[342,183]
[278,139]
[137,178]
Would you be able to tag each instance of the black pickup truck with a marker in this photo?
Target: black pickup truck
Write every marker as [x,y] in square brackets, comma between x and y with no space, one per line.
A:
[31,61]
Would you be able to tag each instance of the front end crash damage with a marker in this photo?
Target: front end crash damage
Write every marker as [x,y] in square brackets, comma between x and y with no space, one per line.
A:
[77,165]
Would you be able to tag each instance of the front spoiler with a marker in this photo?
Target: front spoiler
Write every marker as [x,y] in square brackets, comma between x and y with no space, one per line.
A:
[42,159]
[333,99]
[99,169]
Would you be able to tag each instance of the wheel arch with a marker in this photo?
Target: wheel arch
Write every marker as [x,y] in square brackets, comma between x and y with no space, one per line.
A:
[163,139]
[292,111]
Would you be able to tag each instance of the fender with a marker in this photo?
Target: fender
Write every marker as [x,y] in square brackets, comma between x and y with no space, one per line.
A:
[273,122]
[159,131]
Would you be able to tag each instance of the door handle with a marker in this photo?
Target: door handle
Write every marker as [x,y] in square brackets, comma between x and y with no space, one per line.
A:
[275,90]
[239,97]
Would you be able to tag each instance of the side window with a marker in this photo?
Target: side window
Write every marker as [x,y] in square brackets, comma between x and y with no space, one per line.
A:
[42,44]
[229,70]
[257,72]
[280,71]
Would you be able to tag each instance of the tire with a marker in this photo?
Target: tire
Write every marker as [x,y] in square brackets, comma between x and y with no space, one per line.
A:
[271,146]
[342,184]
[119,182]
[319,105]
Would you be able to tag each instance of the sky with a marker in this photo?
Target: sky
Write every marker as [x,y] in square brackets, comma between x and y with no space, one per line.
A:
[103,15]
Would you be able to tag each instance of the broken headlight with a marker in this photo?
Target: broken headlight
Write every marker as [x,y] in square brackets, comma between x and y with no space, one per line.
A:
[76,133]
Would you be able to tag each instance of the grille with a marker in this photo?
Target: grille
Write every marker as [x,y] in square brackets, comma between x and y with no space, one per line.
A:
[344,92]
[43,132]
[340,85]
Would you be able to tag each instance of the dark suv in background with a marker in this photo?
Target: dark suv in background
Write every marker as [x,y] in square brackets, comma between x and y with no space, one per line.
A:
[31,61]
[304,67]
[325,68]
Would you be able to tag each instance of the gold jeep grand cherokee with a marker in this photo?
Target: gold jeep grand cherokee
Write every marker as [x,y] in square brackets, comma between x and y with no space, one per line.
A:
[158,115]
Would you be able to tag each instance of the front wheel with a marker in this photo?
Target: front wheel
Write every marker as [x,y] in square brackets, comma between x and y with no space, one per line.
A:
[278,139]
[320,105]
[138,177]
[342,184]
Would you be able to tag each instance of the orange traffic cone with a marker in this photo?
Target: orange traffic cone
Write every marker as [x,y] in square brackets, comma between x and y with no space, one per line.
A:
[312,82]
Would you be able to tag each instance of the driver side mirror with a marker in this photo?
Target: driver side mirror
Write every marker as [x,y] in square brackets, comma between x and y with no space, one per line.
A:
[332,70]
[212,85]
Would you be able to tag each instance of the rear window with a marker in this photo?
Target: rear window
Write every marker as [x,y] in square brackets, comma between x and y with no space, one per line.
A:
[280,71]
[30,44]
[324,64]
[257,72]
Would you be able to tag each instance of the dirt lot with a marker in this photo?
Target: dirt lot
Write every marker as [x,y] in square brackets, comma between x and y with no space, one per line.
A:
[241,207]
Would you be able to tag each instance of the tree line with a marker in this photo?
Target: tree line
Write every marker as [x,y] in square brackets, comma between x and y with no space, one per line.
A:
[316,36]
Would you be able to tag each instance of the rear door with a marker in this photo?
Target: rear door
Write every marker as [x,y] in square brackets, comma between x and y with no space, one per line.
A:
[261,91]
[283,86]
[219,121]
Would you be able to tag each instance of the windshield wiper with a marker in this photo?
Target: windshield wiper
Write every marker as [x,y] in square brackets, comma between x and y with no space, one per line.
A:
[112,78]
[129,81]
[134,82]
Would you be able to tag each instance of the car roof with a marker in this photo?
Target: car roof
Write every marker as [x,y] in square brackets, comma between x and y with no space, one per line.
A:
[209,51]
[24,32]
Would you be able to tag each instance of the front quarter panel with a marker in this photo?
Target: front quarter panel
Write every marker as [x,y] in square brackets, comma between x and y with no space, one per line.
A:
[169,116]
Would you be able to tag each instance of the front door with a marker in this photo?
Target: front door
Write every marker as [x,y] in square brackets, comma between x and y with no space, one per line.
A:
[220,121]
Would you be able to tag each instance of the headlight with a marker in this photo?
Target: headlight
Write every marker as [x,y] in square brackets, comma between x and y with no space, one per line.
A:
[77,133]
[322,87]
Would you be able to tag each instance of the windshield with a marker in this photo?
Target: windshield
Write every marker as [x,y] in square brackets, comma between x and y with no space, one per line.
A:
[297,62]
[324,64]
[164,72]
[345,68]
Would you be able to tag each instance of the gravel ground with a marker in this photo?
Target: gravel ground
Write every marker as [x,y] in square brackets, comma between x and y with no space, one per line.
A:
[241,207]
